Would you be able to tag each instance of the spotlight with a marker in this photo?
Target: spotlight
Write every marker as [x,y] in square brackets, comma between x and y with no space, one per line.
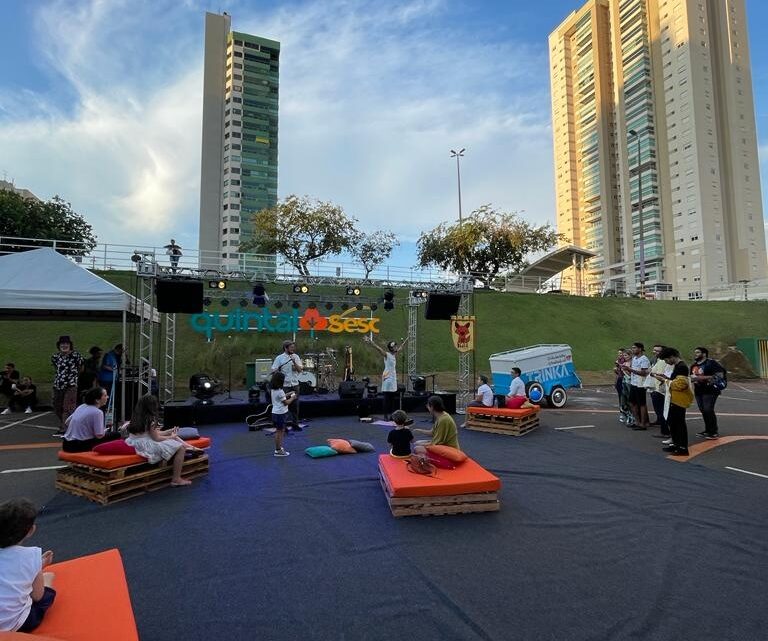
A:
[353,291]
[374,307]
[136,257]
[329,306]
[202,387]
[243,302]
[225,302]
[359,307]
[279,304]
[206,301]
[301,289]
[295,304]
[260,297]
[389,300]
[419,384]
[418,293]
[217,284]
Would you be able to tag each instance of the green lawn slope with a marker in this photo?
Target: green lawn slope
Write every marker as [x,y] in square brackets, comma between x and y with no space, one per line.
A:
[594,327]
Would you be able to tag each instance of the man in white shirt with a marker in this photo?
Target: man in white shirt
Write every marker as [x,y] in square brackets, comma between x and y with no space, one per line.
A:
[289,364]
[516,398]
[638,370]
[484,396]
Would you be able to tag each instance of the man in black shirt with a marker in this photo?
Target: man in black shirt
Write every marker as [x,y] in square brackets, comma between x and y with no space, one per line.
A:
[9,377]
[24,397]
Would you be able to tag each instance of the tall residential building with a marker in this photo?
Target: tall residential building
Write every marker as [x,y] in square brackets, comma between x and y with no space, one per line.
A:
[239,155]
[653,122]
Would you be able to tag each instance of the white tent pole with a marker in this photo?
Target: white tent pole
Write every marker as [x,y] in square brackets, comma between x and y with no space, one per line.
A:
[122,373]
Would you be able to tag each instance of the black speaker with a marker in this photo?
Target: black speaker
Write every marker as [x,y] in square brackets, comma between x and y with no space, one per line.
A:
[351,389]
[179,296]
[441,306]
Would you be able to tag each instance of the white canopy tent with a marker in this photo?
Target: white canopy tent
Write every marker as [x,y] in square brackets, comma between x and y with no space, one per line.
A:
[42,284]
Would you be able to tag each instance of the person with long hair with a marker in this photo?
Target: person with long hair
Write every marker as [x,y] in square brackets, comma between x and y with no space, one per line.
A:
[86,427]
[389,375]
[153,443]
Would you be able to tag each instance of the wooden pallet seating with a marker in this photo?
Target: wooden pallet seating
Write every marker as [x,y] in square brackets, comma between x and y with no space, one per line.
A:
[503,421]
[468,488]
[110,478]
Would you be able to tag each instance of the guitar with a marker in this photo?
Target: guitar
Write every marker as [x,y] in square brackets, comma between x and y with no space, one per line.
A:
[349,369]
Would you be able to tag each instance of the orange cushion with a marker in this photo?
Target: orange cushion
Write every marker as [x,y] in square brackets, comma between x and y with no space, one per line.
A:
[113,461]
[446,451]
[92,601]
[468,478]
[341,446]
[503,411]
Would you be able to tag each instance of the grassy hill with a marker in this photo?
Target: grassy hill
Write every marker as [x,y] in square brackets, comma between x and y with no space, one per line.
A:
[594,327]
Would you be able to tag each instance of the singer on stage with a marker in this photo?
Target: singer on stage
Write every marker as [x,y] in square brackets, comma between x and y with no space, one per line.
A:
[389,375]
[289,364]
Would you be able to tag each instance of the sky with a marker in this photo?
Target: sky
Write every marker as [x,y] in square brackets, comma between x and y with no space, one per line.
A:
[101,103]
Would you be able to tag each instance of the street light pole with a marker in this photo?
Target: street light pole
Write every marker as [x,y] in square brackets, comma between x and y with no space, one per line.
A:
[458,154]
[641,238]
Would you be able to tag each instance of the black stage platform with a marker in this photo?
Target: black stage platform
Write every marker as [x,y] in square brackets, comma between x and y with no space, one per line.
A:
[223,409]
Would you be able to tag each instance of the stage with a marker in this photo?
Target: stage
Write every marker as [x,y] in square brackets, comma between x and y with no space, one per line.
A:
[226,408]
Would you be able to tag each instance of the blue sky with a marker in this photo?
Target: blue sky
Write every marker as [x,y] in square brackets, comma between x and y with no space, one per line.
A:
[100,101]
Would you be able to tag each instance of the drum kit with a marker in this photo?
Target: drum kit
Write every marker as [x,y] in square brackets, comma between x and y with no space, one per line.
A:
[319,373]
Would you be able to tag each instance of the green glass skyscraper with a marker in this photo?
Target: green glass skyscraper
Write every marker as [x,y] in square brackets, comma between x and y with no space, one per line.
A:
[240,134]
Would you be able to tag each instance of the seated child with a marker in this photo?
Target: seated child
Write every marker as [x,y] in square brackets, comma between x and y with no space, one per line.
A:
[401,437]
[25,590]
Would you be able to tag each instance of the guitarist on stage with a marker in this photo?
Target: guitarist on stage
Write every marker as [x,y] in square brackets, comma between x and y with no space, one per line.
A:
[289,364]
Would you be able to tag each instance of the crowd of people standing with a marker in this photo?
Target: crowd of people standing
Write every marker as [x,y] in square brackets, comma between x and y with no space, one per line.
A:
[673,386]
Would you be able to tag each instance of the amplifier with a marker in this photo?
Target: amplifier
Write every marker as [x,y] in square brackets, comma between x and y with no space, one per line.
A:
[351,389]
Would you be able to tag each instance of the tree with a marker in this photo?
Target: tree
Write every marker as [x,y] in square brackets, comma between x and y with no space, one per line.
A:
[53,220]
[488,242]
[301,229]
[373,249]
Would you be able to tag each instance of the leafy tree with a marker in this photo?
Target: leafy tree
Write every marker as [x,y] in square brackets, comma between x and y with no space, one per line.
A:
[53,220]
[373,249]
[488,242]
[302,229]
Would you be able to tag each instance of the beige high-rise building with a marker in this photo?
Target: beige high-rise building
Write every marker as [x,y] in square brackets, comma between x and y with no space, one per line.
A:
[655,96]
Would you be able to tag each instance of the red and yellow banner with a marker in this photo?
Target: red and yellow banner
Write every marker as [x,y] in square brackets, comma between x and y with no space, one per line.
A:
[463,333]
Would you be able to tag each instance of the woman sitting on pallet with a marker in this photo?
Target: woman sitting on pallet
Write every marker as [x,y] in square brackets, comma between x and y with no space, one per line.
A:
[155,444]
[517,398]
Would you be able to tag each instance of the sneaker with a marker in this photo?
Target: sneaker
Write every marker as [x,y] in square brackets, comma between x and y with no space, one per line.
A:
[297,428]
[702,434]
[7,410]
[58,434]
[621,418]
[28,410]
[712,437]
[282,452]
[669,448]
[667,442]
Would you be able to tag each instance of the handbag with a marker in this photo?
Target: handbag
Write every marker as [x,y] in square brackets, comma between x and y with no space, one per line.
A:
[420,465]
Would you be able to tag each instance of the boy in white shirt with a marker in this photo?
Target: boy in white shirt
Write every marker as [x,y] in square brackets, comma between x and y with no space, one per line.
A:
[26,591]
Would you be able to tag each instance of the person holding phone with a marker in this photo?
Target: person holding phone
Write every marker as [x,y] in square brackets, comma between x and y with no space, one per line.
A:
[680,396]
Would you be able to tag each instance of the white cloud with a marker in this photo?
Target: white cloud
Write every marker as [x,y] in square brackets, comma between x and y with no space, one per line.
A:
[373,97]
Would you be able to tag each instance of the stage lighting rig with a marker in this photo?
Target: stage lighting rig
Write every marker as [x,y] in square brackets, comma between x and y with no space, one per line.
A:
[301,288]
[217,284]
[353,291]
[389,300]
[202,388]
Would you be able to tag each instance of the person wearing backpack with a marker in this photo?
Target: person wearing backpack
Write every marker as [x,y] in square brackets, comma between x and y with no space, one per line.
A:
[709,379]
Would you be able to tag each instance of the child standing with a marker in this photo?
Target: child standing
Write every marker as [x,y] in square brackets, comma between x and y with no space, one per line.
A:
[401,437]
[26,591]
[280,403]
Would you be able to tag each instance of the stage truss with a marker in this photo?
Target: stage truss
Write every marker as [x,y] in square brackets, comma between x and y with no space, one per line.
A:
[149,271]
[465,287]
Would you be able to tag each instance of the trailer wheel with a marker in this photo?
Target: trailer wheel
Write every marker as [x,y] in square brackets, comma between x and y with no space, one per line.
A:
[558,398]
[534,391]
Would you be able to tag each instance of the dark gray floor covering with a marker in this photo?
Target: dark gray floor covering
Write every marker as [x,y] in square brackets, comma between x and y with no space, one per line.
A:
[593,541]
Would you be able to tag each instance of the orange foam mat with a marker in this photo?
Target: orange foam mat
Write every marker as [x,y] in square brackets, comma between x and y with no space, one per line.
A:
[92,601]
[468,478]
[112,461]
[503,411]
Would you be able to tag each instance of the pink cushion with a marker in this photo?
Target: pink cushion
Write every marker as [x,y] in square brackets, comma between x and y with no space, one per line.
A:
[515,402]
[118,446]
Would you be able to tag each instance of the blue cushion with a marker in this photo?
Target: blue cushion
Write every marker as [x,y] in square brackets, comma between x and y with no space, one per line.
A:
[188,433]
[361,446]
[320,451]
